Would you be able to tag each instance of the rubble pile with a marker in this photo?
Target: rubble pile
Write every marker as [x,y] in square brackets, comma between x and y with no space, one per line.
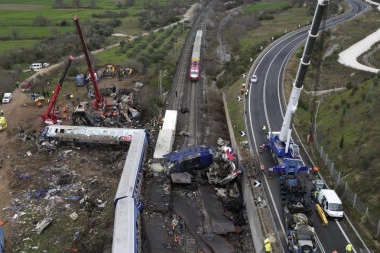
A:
[214,190]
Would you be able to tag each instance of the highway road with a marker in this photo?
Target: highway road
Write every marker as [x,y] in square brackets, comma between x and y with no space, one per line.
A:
[266,105]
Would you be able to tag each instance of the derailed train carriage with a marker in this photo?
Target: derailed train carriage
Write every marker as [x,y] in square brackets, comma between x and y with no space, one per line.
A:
[127,202]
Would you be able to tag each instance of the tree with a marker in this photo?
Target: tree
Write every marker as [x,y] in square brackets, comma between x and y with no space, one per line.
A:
[59,4]
[130,3]
[77,3]
[15,34]
[41,20]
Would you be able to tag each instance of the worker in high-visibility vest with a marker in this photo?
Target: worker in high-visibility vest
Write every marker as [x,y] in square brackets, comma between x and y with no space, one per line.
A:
[264,129]
[315,169]
[349,248]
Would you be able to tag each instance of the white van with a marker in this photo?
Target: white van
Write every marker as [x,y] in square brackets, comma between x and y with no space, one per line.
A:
[330,203]
[7,98]
[36,66]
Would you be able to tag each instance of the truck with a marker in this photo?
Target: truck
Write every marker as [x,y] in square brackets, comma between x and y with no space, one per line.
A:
[51,114]
[280,143]
[286,154]
[330,203]
[81,80]
[99,103]
[26,85]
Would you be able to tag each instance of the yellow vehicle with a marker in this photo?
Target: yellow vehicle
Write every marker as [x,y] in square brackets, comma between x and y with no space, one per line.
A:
[3,123]
[110,71]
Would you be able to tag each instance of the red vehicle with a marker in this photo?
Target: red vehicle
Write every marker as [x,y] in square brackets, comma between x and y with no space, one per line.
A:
[51,115]
[26,85]
[195,58]
[100,103]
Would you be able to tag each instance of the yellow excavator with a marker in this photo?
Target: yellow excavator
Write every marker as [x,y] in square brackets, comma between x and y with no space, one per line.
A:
[110,71]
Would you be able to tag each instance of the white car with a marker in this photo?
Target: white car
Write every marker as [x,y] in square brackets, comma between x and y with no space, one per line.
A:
[7,98]
[253,79]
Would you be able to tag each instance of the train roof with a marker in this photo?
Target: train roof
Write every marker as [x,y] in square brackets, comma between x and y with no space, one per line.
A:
[88,134]
[129,181]
[170,121]
[124,231]
[164,143]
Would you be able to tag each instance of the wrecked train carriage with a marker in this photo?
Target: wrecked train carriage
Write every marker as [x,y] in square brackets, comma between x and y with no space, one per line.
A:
[190,159]
[127,202]
[86,134]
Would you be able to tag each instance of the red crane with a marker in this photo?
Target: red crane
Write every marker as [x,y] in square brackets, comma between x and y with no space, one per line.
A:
[50,116]
[99,103]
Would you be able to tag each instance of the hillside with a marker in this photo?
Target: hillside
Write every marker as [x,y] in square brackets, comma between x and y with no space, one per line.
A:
[346,120]
[347,128]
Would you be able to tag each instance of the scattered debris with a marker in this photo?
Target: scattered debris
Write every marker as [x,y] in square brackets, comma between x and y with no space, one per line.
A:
[181,178]
[74,216]
[43,224]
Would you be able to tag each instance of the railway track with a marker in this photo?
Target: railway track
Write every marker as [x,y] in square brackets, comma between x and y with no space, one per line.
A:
[189,95]
[183,94]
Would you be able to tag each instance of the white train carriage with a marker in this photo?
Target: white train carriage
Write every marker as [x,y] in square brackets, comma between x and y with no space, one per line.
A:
[166,137]
[170,120]
[88,134]
[126,235]
[131,177]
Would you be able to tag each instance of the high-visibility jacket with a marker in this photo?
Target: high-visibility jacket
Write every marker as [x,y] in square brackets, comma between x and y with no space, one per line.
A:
[268,247]
[266,240]
[349,247]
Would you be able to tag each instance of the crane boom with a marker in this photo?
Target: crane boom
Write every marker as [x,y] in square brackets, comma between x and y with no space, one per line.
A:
[286,128]
[99,102]
[49,117]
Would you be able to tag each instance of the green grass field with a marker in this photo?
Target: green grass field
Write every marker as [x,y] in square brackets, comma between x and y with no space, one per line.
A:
[17,19]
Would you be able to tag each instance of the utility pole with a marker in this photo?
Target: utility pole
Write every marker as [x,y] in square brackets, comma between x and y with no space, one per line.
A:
[161,75]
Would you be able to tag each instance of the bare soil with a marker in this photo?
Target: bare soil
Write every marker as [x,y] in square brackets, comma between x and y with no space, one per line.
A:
[92,172]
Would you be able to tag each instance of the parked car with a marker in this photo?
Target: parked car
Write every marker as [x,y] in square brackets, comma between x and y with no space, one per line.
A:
[253,79]
[7,98]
